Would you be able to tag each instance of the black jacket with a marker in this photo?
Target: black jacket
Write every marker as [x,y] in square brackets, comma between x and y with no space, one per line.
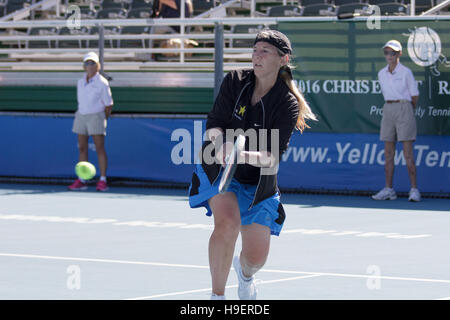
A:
[279,110]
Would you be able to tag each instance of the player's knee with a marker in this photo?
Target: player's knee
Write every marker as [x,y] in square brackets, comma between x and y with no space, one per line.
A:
[251,265]
[389,155]
[226,215]
[410,164]
[227,225]
[100,151]
[227,228]
[82,148]
[100,147]
[409,157]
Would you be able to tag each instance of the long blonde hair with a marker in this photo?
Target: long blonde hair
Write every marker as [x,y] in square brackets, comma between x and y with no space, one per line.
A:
[304,111]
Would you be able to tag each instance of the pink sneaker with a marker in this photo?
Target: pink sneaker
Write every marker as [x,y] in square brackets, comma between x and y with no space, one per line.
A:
[78,185]
[102,186]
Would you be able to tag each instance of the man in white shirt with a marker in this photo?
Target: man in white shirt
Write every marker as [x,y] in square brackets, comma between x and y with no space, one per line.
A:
[94,108]
[398,123]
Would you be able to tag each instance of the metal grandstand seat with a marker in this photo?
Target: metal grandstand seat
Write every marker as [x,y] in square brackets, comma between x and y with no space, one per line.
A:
[76,43]
[85,13]
[201,6]
[420,9]
[245,43]
[114,13]
[2,7]
[396,9]
[284,11]
[428,3]
[140,13]
[106,31]
[48,31]
[110,4]
[344,2]
[135,4]
[320,10]
[134,43]
[421,5]
[14,5]
[310,2]
[377,2]
[352,8]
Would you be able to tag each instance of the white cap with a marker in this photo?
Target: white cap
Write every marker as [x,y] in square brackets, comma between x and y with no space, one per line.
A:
[394,45]
[91,56]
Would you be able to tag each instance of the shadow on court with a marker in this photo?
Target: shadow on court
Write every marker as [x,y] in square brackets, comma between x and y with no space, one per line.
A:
[116,192]
[401,203]
[301,199]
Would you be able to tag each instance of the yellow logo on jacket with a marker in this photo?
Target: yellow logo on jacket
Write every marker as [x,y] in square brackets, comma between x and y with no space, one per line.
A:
[241,110]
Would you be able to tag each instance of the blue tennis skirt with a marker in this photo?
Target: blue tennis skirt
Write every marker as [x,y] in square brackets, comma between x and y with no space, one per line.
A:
[268,212]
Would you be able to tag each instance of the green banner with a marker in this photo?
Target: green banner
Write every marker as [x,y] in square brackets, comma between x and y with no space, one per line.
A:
[337,64]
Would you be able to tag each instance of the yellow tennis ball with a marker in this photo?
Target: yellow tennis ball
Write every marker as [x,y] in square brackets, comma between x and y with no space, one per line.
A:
[85,170]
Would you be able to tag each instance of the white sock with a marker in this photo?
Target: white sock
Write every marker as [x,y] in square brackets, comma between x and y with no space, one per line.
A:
[244,277]
[103,178]
[82,180]
[250,270]
[217,297]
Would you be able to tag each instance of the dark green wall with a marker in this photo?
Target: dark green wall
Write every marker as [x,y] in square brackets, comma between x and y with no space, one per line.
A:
[126,99]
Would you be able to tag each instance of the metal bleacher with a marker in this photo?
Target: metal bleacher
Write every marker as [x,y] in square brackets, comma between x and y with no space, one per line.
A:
[113,8]
[38,33]
[285,11]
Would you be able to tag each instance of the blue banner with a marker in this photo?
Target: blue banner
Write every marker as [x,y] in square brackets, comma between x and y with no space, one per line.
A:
[356,162]
[164,150]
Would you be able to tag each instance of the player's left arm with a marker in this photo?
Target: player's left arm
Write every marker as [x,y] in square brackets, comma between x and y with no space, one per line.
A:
[107,100]
[108,110]
[414,101]
[413,88]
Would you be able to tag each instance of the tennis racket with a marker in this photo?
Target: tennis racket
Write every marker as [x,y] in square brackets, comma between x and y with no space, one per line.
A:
[231,163]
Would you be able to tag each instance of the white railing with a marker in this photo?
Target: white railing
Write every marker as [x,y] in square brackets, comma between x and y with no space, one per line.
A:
[22,40]
[437,7]
[68,57]
[25,12]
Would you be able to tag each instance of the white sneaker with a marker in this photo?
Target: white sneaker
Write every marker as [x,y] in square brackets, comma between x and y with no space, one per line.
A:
[385,194]
[414,195]
[247,287]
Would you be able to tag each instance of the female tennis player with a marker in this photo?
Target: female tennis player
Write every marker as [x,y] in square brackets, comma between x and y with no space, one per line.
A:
[264,97]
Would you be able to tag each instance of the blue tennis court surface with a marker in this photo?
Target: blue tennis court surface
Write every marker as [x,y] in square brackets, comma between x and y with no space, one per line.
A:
[135,243]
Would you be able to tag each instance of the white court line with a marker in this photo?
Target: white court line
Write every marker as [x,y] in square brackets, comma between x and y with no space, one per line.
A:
[209,227]
[348,275]
[159,264]
[177,293]
[209,289]
[288,279]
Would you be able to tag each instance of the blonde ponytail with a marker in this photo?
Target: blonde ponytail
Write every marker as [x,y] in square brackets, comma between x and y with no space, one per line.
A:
[303,107]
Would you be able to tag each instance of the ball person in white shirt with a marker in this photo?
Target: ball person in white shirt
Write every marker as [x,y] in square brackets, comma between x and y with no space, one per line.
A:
[398,123]
[94,108]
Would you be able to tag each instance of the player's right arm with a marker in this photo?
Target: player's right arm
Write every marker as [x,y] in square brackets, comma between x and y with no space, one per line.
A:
[219,117]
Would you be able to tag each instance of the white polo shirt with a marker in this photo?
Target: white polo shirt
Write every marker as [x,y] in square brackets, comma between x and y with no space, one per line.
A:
[398,85]
[93,96]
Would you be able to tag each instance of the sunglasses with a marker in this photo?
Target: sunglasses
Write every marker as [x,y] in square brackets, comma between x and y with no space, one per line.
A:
[390,53]
[89,63]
